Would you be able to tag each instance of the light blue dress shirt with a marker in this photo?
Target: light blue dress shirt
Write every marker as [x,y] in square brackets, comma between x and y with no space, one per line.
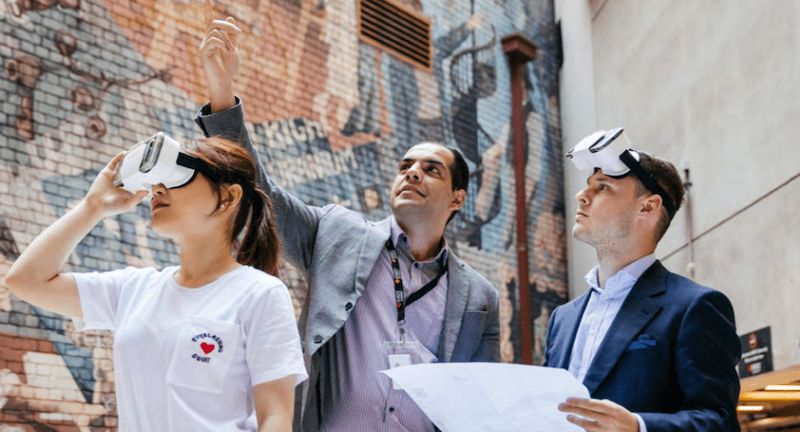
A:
[602,308]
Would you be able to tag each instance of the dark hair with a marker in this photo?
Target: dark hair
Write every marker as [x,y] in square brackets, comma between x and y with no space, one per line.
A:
[230,163]
[459,172]
[668,178]
[459,169]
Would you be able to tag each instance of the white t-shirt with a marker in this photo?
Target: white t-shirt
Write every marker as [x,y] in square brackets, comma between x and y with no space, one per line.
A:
[186,359]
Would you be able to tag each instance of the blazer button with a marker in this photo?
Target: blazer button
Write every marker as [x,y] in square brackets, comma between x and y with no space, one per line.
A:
[348,306]
[317,339]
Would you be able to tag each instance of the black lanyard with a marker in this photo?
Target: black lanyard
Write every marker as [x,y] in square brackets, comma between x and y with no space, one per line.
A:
[399,296]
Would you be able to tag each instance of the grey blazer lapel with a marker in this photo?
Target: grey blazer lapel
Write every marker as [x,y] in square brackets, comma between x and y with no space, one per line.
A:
[638,309]
[458,287]
[370,251]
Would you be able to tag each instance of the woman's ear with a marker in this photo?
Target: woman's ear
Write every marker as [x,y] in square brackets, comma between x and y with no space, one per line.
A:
[231,196]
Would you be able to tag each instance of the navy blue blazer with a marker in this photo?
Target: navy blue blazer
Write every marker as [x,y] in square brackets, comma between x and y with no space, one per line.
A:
[669,355]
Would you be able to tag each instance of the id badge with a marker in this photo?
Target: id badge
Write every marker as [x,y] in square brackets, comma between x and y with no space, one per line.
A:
[406,353]
[399,360]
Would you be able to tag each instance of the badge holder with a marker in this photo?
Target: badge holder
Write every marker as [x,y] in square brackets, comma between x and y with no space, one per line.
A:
[406,351]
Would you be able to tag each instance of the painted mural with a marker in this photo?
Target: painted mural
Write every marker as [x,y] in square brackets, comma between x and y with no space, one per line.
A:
[83,79]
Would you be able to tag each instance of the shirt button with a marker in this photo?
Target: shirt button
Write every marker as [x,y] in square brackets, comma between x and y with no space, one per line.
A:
[317,339]
[391,409]
[348,306]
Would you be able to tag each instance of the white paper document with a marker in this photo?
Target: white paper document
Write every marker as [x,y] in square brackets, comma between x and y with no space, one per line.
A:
[490,397]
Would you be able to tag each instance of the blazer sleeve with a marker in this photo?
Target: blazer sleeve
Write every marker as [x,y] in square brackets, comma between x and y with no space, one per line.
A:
[296,222]
[706,353]
[548,344]
[489,346]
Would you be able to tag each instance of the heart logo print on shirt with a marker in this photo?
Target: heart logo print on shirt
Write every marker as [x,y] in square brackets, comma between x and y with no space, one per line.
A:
[207,347]
[214,344]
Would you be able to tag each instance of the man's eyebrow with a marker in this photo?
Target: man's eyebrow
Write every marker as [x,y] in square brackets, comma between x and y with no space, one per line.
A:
[602,178]
[434,161]
[431,161]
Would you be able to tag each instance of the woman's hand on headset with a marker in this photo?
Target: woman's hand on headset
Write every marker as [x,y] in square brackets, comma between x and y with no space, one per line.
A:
[219,56]
[106,199]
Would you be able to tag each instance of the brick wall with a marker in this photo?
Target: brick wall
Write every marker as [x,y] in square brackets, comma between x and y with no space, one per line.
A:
[84,79]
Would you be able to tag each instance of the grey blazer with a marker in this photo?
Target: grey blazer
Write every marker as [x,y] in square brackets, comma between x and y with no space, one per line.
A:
[336,249]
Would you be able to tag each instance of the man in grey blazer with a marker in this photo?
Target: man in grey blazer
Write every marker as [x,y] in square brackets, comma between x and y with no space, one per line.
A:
[380,294]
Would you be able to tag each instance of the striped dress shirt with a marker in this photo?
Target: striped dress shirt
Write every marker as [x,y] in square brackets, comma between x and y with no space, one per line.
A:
[355,396]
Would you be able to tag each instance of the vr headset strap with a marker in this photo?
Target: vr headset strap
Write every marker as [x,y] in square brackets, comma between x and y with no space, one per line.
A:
[648,180]
[196,164]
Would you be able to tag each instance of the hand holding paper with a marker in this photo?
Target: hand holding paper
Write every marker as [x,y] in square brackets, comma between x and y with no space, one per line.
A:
[490,397]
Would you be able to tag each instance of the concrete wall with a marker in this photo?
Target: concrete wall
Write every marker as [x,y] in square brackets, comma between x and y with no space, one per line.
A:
[578,119]
[84,79]
[712,86]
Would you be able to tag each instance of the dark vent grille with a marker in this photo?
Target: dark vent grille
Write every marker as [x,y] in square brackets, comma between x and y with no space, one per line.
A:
[397,29]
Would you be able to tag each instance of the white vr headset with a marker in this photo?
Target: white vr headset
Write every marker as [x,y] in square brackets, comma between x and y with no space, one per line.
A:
[158,160]
[611,152]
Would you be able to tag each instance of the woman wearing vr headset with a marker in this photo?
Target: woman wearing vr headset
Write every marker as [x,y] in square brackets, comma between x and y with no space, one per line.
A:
[211,344]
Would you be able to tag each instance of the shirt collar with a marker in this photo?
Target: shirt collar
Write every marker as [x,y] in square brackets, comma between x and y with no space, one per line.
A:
[400,240]
[621,281]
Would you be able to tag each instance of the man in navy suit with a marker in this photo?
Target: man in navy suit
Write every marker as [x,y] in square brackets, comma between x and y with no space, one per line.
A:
[656,350]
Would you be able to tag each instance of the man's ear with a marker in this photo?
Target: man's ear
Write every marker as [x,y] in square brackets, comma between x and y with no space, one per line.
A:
[651,205]
[459,197]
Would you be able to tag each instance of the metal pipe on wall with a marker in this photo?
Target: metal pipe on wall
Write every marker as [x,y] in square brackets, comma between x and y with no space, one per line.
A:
[519,51]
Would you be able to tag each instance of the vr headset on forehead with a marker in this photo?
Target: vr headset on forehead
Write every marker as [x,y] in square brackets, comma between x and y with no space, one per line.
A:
[611,152]
[158,160]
